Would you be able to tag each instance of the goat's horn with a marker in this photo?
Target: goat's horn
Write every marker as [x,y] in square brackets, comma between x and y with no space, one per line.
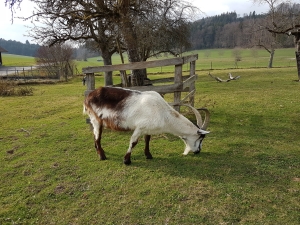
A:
[197,114]
[207,118]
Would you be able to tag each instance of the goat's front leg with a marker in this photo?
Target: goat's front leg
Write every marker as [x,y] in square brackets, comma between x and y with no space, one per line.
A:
[147,150]
[133,142]
[98,133]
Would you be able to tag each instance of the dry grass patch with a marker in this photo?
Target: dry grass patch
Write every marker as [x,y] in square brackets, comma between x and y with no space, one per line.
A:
[10,88]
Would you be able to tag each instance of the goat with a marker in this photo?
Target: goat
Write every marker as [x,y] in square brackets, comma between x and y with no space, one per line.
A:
[144,113]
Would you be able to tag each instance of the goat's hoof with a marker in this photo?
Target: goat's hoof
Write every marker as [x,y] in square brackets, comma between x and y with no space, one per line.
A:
[149,157]
[102,157]
[127,161]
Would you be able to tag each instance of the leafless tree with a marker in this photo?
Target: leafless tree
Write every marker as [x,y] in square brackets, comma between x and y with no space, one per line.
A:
[262,38]
[56,60]
[207,53]
[142,27]
[283,17]
[237,54]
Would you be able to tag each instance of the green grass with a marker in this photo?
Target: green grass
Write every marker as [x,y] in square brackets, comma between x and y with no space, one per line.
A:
[223,58]
[247,173]
[17,60]
[208,59]
[216,59]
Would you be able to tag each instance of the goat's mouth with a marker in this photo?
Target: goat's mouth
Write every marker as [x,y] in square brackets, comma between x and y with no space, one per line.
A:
[197,152]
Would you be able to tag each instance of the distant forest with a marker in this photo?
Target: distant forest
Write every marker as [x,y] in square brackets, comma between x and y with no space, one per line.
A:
[227,30]
[19,48]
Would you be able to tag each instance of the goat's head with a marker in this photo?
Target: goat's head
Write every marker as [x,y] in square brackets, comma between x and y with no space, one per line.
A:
[193,143]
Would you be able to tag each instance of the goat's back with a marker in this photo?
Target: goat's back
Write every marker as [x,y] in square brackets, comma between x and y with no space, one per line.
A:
[108,97]
[129,109]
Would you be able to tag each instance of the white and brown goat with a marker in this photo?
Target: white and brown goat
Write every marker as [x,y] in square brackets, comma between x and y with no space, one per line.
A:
[145,113]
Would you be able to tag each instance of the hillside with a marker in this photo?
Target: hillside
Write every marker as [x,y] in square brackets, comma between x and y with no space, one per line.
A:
[19,48]
[228,30]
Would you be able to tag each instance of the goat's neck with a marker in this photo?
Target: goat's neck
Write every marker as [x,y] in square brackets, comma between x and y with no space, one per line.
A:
[183,127]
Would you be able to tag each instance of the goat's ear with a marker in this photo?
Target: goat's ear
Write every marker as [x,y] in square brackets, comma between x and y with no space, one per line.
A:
[200,131]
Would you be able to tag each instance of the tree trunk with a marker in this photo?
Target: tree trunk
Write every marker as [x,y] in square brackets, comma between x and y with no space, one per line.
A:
[298,64]
[130,39]
[107,61]
[137,76]
[297,45]
[271,58]
[103,42]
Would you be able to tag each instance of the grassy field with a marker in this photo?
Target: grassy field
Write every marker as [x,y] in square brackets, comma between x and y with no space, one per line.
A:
[247,173]
[17,60]
[217,59]
[208,59]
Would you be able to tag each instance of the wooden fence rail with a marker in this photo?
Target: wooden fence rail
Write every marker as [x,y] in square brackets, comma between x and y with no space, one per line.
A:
[180,83]
[33,72]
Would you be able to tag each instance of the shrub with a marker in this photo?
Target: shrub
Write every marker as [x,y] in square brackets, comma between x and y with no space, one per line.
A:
[10,88]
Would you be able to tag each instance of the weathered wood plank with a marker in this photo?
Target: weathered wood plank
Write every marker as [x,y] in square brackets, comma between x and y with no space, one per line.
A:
[192,85]
[177,80]
[134,66]
[90,82]
[190,58]
[162,89]
[187,83]
[167,79]
[192,93]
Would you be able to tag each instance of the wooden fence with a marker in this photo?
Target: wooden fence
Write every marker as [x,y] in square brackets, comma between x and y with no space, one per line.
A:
[34,72]
[179,84]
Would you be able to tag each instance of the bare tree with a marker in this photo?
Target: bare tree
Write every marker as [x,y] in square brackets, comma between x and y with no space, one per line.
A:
[111,22]
[262,38]
[57,60]
[74,21]
[283,17]
[237,54]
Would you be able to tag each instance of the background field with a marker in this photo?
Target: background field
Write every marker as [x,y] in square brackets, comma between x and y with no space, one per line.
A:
[247,173]
[208,59]
[17,60]
[217,59]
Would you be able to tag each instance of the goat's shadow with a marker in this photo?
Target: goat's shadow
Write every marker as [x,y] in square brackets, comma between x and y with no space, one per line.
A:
[230,164]
[215,167]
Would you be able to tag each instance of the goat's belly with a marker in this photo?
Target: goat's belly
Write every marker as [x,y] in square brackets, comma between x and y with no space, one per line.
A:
[115,125]
[150,130]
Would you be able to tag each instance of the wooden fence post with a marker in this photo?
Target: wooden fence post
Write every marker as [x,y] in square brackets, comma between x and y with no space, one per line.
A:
[90,83]
[192,86]
[177,80]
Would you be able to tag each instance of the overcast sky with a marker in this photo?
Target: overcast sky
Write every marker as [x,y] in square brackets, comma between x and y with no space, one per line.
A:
[17,30]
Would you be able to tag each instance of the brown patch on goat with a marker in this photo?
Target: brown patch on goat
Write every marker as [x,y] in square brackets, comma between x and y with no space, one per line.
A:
[111,98]
[113,124]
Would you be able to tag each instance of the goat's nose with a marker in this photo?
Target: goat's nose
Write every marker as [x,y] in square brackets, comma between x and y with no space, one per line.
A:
[197,152]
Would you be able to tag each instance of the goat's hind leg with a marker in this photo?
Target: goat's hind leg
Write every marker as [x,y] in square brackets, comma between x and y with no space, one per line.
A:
[147,149]
[98,133]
